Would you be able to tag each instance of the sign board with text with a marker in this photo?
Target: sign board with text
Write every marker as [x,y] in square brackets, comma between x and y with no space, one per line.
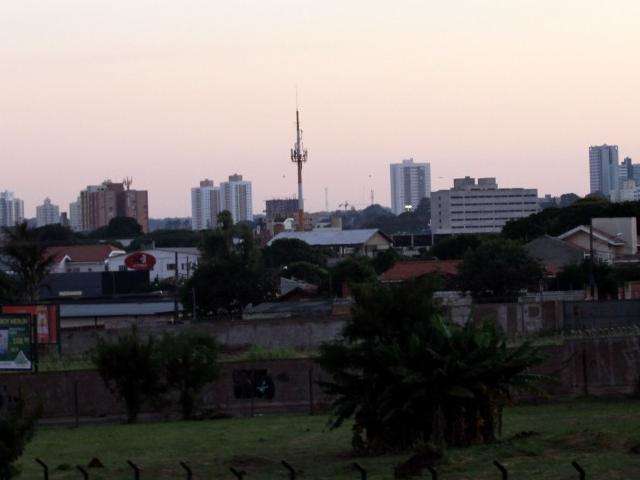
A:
[140,261]
[17,346]
[47,320]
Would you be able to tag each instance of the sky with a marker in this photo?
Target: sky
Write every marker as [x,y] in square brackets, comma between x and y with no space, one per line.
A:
[172,92]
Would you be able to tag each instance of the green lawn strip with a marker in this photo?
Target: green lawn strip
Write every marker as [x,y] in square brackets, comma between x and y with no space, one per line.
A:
[596,433]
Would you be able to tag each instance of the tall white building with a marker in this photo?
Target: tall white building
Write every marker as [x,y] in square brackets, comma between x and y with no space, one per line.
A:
[47,213]
[481,207]
[410,183]
[11,209]
[604,171]
[205,205]
[75,215]
[235,196]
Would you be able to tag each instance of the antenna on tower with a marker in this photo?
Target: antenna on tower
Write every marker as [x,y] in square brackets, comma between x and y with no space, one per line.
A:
[127,182]
[326,199]
[299,156]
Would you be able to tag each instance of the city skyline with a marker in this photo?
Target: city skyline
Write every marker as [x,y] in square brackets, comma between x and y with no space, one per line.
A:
[169,95]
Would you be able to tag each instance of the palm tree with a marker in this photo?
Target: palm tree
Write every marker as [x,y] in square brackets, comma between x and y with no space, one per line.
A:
[27,260]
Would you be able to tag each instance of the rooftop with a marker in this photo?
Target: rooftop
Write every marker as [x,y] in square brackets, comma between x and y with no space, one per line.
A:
[410,269]
[83,253]
[331,237]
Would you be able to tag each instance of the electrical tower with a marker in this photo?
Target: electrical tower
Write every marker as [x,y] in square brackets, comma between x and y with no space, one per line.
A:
[299,156]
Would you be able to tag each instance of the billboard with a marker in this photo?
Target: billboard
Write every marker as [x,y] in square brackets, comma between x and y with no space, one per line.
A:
[140,261]
[17,349]
[46,317]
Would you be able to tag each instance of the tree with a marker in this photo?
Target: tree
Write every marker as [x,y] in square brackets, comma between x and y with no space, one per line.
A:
[308,272]
[605,277]
[285,251]
[27,260]
[454,247]
[498,269]
[130,368]
[56,234]
[350,272]
[17,428]
[230,275]
[385,259]
[189,362]
[167,239]
[406,376]
[119,227]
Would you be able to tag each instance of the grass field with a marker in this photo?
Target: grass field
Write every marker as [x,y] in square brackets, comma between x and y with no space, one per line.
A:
[596,433]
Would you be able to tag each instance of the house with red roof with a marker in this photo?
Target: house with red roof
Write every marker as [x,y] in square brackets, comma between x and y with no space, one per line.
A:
[82,258]
[406,270]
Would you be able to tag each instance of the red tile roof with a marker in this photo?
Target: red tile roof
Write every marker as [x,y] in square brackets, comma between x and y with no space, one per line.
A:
[406,270]
[82,253]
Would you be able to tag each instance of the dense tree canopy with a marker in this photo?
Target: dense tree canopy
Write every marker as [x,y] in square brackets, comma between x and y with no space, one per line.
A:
[555,221]
[454,247]
[406,376]
[289,250]
[167,239]
[498,269]
[119,227]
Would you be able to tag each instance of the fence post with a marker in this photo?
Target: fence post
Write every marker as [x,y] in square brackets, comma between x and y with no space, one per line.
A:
[45,468]
[432,471]
[292,472]
[84,473]
[585,373]
[311,391]
[187,469]
[363,472]
[580,470]
[239,474]
[135,468]
[76,403]
[503,470]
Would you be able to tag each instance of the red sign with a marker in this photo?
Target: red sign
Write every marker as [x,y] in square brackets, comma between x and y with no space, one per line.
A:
[140,261]
[46,316]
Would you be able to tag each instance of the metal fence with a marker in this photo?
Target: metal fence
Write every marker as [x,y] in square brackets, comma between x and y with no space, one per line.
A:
[293,474]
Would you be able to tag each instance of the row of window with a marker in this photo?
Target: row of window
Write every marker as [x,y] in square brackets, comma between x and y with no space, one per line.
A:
[493,203]
[520,195]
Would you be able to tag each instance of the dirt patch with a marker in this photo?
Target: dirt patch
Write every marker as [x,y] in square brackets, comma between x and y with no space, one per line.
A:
[588,441]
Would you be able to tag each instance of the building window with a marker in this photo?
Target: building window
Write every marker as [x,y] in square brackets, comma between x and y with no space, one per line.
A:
[171,266]
[122,268]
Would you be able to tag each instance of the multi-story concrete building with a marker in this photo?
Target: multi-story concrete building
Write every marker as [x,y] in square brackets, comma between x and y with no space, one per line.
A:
[410,183]
[604,171]
[481,207]
[235,196]
[205,205]
[47,213]
[11,209]
[75,215]
[99,204]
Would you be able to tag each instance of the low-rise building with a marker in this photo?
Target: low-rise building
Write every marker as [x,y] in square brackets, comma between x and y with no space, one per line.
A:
[81,258]
[342,242]
[164,262]
[479,207]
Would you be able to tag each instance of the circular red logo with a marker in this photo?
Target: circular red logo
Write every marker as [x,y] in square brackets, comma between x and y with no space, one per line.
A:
[140,261]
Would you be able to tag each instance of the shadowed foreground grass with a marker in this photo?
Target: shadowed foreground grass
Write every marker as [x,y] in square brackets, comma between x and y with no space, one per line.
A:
[597,433]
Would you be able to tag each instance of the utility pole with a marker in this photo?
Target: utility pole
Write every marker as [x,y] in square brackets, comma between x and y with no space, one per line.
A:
[592,286]
[175,281]
[299,156]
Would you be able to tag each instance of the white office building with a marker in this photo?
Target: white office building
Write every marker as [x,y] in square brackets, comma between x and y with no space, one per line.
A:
[479,207]
[235,196]
[75,215]
[165,262]
[205,205]
[47,213]
[410,183]
[604,170]
[11,209]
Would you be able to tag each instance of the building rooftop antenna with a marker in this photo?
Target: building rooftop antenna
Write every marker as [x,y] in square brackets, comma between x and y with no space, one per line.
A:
[299,156]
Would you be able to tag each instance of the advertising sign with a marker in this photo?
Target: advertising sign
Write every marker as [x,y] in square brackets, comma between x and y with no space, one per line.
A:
[16,342]
[140,261]
[46,316]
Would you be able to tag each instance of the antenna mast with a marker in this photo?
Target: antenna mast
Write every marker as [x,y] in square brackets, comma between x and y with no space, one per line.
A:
[299,156]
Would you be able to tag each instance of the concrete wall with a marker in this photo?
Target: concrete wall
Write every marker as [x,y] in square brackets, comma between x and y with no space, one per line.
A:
[597,366]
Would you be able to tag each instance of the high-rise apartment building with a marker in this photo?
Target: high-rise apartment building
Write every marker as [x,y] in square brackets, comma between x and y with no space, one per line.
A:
[604,171]
[11,209]
[410,183]
[205,205]
[235,196]
[481,207]
[75,215]
[99,204]
[47,213]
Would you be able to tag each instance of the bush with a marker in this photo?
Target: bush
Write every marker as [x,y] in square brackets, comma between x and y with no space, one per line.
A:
[16,430]
[189,362]
[130,368]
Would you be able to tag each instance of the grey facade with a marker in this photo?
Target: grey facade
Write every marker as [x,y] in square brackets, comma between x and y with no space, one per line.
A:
[604,171]
[410,183]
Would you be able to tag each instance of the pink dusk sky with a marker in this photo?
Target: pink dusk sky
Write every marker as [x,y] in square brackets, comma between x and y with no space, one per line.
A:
[170,92]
